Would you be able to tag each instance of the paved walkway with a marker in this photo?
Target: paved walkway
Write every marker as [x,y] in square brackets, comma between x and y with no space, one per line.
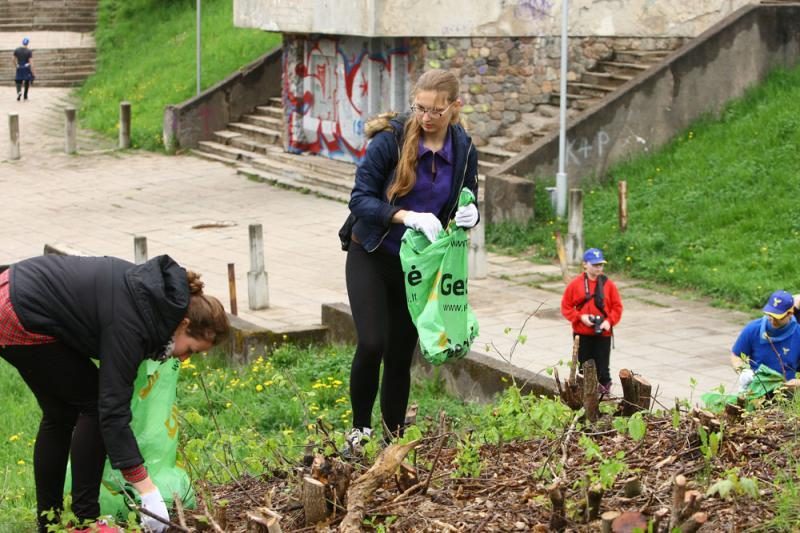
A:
[98,201]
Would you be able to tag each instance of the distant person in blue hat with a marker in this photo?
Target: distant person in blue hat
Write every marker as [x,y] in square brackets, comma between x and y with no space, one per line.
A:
[592,304]
[772,340]
[23,61]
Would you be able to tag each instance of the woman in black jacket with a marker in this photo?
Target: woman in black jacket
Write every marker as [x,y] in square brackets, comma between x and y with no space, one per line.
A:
[58,313]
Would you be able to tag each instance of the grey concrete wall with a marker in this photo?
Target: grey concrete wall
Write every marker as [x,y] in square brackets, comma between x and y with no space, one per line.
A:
[482,18]
[699,78]
[198,118]
[477,377]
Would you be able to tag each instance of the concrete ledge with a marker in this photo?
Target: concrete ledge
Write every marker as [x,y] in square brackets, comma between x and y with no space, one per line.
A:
[196,119]
[477,377]
[58,248]
[248,341]
[509,197]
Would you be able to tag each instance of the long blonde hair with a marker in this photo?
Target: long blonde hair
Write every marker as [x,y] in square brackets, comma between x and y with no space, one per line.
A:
[441,81]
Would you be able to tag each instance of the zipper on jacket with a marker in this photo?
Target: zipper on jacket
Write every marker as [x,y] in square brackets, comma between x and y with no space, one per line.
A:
[461,185]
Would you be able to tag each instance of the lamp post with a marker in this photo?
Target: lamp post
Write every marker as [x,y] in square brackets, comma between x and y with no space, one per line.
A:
[561,177]
[198,46]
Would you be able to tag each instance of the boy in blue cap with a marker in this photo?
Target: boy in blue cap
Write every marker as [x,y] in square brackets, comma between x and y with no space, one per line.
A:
[592,304]
[23,61]
[772,340]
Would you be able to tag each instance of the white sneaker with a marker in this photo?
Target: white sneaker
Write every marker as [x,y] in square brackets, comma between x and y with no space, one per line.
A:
[357,438]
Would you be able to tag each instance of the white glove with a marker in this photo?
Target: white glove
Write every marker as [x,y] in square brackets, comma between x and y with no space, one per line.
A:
[428,223]
[746,378]
[466,216]
[154,502]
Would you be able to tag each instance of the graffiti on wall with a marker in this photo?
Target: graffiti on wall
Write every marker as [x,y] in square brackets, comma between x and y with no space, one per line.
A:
[328,84]
[529,9]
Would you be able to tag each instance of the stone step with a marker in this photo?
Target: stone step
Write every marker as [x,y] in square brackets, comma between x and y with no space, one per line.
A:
[270,111]
[245,142]
[485,166]
[276,101]
[319,164]
[493,154]
[212,157]
[321,180]
[230,153]
[264,121]
[260,134]
[284,181]
[582,105]
[225,136]
[590,89]
[640,56]
[626,69]
[55,26]
[605,78]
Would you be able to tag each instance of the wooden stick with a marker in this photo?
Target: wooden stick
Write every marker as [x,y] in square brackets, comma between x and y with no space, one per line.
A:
[678,493]
[623,205]
[557,519]
[590,398]
[232,288]
[694,523]
[179,509]
[363,487]
[562,257]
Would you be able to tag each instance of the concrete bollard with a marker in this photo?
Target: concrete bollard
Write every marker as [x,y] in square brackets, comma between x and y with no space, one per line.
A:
[257,278]
[124,125]
[13,132]
[476,260]
[139,250]
[575,227]
[70,130]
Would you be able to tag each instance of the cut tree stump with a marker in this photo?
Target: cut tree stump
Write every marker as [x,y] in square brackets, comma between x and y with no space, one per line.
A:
[263,520]
[315,505]
[637,392]
[363,488]
[628,522]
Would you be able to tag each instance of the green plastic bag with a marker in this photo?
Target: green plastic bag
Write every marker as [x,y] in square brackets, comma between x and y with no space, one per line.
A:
[765,380]
[155,425]
[436,290]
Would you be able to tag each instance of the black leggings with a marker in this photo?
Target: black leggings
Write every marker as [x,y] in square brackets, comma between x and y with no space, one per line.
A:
[24,83]
[64,383]
[597,347]
[385,332]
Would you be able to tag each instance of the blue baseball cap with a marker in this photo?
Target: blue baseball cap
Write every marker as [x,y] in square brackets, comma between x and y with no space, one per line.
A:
[25,40]
[594,256]
[779,303]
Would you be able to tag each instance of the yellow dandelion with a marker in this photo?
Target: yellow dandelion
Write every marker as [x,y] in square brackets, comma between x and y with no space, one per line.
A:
[13,438]
[228,405]
[259,387]
[21,462]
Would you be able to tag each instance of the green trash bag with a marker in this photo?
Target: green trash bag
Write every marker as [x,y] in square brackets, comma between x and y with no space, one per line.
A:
[155,425]
[436,290]
[765,380]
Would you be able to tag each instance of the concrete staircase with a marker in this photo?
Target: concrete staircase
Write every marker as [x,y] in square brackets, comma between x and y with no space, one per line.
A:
[54,67]
[253,145]
[63,55]
[48,15]
[589,90]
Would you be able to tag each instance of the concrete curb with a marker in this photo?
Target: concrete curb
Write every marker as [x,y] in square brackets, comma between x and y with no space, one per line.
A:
[477,377]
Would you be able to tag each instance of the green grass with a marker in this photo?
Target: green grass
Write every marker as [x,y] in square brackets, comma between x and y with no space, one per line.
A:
[18,427]
[252,418]
[712,212]
[146,55]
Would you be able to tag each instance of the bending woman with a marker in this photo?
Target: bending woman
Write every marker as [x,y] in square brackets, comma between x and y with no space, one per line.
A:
[57,314]
[415,166]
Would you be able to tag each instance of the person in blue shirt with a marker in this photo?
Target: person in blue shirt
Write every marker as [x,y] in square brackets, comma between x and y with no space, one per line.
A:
[410,177]
[772,340]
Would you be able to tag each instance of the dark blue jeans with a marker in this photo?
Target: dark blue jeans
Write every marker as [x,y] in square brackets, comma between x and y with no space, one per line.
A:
[596,347]
[65,383]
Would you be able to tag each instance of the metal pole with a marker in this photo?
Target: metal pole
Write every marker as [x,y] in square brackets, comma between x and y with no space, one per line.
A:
[198,46]
[561,177]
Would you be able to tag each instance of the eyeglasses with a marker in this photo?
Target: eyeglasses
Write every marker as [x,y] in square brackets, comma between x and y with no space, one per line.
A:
[433,113]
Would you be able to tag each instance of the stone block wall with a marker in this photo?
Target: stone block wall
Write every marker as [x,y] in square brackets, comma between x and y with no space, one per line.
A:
[505,79]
